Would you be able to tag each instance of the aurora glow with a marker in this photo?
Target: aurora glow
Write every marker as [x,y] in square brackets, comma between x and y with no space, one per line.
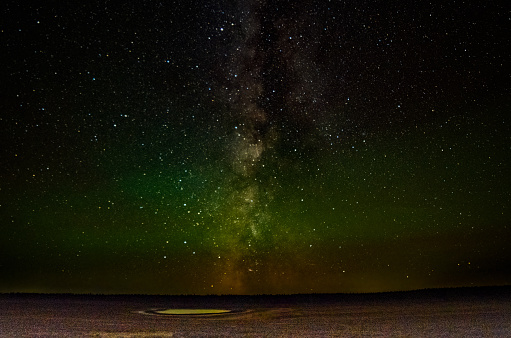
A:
[254,147]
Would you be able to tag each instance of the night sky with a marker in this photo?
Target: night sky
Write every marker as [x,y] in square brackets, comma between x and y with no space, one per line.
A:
[247,147]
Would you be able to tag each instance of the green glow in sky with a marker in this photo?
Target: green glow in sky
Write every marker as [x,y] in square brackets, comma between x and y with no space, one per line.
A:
[344,151]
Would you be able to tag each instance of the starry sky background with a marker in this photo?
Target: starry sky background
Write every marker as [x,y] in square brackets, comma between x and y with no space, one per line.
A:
[254,146]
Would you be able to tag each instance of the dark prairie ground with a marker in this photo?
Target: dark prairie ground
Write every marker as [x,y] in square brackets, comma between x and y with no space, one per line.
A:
[468,312]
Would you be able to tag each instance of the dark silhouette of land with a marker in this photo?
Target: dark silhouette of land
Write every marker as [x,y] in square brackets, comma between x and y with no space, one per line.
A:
[480,311]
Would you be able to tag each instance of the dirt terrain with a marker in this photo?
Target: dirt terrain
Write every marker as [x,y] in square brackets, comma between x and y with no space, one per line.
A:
[448,312]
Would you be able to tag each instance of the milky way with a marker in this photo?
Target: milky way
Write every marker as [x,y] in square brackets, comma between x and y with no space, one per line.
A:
[270,93]
[251,138]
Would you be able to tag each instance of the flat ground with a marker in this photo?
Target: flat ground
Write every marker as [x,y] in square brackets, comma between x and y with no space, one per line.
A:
[448,312]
